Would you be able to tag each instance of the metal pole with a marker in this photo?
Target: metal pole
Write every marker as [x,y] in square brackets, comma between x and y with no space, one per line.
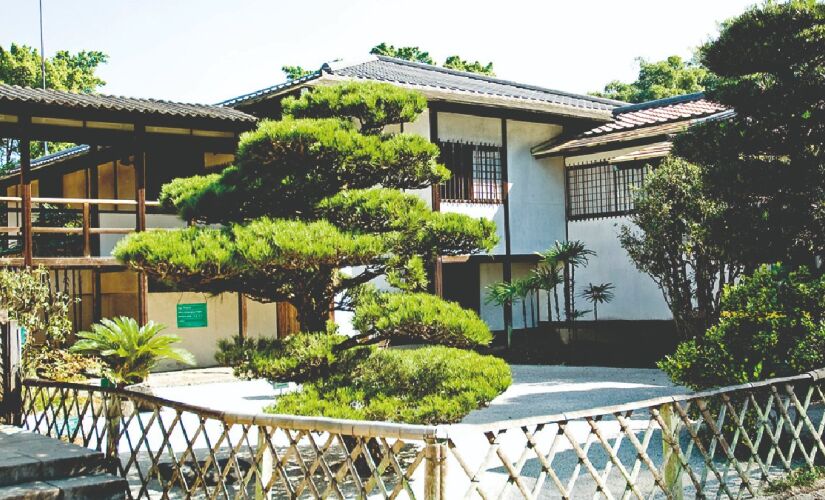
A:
[43,65]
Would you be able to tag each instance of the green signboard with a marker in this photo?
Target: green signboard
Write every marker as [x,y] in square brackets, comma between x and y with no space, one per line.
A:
[192,315]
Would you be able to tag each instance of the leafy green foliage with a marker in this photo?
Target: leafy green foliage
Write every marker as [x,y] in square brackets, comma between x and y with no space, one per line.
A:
[407,53]
[28,298]
[181,194]
[130,351]
[301,357]
[303,201]
[676,227]
[567,256]
[765,164]
[772,324]
[548,277]
[801,478]
[419,316]
[657,80]
[598,294]
[415,54]
[374,105]
[20,65]
[374,210]
[295,72]
[457,63]
[428,385]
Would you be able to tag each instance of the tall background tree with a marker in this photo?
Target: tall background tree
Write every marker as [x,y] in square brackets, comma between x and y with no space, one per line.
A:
[415,54]
[765,164]
[670,77]
[20,65]
[674,238]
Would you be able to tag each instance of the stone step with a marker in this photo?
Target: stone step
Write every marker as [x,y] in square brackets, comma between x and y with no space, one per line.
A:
[92,487]
[26,457]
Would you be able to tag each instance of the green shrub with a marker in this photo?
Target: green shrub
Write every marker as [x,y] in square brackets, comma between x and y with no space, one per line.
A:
[422,316]
[300,357]
[128,350]
[772,324]
[427,385]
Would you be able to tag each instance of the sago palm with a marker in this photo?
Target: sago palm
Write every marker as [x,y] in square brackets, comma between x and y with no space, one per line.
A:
[130,351]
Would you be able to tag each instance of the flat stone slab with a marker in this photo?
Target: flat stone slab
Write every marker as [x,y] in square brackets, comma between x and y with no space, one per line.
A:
[26,457]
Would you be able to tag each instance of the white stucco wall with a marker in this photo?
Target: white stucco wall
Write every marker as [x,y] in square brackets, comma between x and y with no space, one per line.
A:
[636,295]
[127,219]
[491,314]
[537,213]
[222,322]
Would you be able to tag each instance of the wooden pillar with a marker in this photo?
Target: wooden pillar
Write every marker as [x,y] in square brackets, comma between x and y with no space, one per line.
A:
[140,223]
[26,193]
[12,402]
[507,270]
[438,269]
[242,316]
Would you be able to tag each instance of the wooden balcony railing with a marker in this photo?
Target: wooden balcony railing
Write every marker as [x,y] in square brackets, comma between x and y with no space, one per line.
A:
[85,230]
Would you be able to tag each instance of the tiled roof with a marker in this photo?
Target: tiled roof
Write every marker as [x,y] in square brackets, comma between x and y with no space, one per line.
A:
[659,111]
[388,69]
[63,154]
[12,94]
[637,121]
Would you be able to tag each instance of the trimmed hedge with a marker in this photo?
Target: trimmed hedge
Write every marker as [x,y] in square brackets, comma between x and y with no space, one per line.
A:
[421,316]
[298,358]
[427,385]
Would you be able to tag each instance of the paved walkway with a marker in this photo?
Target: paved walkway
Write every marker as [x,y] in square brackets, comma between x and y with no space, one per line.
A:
[546,390]
[537,390]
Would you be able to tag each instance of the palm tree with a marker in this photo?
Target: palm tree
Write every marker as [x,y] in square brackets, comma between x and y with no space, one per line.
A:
[548,278]
[130,351]
[568,255]
[502,294]
[524,287]
[598,294]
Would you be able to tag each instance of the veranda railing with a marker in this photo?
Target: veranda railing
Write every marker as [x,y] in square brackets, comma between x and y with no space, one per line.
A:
[728,442]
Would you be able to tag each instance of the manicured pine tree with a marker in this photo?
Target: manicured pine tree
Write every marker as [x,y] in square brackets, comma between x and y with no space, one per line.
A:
[319,191]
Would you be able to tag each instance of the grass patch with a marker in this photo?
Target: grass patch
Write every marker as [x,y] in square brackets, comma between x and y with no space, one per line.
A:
[799,478]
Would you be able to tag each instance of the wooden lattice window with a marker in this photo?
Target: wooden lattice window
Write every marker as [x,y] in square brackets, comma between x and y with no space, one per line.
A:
[476,170]
[603,190]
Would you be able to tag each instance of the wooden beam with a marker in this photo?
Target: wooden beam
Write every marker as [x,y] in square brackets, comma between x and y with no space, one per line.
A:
[242,316]
[507,271]
[109,263]
[140,223]
[438,269]
[26,193]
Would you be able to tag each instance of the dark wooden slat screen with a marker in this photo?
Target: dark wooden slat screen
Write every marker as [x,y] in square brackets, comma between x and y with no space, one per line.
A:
[603,190]
[476,170]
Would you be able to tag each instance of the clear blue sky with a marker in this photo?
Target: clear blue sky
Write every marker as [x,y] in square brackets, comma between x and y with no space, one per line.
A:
[210,50]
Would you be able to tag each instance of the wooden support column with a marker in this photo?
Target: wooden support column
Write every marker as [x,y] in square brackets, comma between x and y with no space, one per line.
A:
[242,316]
[140,223]
[507,265]
[26,193]
[438,270]
[10,363]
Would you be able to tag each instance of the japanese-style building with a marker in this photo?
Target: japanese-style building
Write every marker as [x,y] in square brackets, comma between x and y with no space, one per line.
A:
[545,165]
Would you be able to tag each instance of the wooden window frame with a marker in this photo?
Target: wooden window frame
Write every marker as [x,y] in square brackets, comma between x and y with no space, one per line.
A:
[603,189]
[478,172]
